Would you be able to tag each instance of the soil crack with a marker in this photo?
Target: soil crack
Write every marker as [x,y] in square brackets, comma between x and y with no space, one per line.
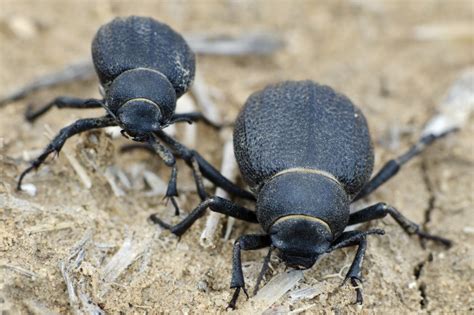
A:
[432,196]
[418,270]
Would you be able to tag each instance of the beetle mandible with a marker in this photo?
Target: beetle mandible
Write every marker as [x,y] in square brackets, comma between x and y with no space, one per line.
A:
[306,152]
[144,67]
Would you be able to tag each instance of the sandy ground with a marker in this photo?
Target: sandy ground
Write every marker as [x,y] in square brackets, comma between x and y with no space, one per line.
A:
[369,50]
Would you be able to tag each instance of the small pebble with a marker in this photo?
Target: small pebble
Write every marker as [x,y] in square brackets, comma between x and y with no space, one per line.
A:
[203,286]
[22,27]
[30,189]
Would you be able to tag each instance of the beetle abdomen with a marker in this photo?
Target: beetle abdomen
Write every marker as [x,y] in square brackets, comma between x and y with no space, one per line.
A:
[142,42]
[303,125]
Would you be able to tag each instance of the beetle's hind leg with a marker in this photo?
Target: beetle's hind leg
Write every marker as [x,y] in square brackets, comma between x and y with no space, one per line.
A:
[392,167]
[62,102]
[57,143]
[381,210]
[355,238]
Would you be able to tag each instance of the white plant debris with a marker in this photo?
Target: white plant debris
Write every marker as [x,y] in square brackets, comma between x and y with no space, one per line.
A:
[456,108]
[252,43]
[278,286]
[67,266]
[447,31]
[78,168]
[158,186]
[301,309]
[207,106]
[87,304]
[9,201]
[113,132]
[131,249]
[186,105]
[71,157]
[305,293]
[228,169]
[111,174]
[48,227]
[170,130]
[20,270]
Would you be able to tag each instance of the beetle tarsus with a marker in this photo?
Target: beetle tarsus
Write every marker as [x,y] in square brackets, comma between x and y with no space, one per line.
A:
[235,297]
[154,218]
[357,284]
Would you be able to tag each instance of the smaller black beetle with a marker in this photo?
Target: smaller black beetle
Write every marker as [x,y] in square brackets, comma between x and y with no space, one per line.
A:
[306,152]
[144,67]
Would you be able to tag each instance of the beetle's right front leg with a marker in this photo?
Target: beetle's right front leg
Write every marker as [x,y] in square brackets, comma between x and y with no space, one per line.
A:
[57,143]
[169,159]
[244,242]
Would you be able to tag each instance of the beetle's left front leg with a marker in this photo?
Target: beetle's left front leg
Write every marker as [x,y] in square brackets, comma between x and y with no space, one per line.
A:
[355,238]
[381,210]
[169,159]
[244,242]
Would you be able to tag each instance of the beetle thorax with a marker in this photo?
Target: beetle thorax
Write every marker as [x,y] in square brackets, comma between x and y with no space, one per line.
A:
[302,193]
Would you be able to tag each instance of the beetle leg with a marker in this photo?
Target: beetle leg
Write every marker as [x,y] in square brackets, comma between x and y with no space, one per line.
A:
[191,117]
[244,242]
[205,167]
[135,146]
[57,143]
[381,209]
[167,156]
[392,167]
[355,238]
[198,179]
[62,102]
[216,204]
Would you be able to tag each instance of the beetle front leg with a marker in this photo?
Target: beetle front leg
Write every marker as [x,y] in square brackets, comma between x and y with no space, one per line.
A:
[355,238]
[60,139]
[381,210]
[244,242]
[62,102]
[170,161]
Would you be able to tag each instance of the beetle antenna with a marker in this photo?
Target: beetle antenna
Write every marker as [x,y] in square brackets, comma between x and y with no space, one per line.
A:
[264,269]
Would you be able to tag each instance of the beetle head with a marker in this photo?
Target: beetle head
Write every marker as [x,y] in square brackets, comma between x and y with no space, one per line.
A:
[140,116]
[300,239]
[142,100]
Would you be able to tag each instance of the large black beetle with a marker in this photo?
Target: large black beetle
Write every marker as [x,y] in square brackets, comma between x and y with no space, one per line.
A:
[306,152]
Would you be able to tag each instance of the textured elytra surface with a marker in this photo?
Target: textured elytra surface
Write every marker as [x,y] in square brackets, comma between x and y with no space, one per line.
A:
[141,42]
[303,125]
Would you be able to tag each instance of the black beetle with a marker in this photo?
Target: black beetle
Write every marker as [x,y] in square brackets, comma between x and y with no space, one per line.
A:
[144,67]
[306,152]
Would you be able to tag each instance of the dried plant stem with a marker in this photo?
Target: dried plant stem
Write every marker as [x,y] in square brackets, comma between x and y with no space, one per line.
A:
[228,169]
